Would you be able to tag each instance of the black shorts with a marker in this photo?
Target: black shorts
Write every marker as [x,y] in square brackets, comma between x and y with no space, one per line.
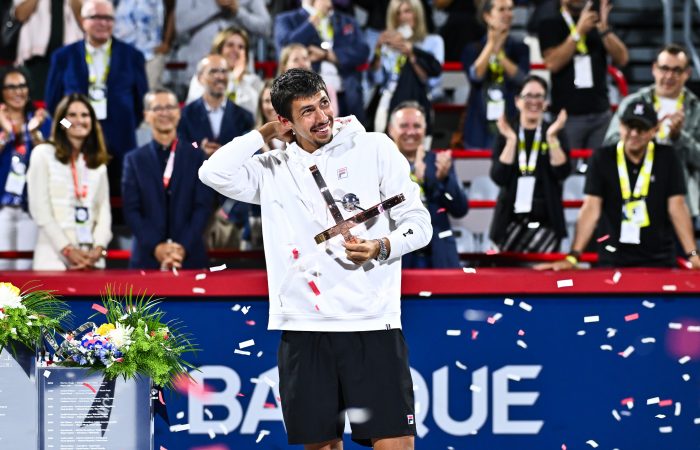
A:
[323,374]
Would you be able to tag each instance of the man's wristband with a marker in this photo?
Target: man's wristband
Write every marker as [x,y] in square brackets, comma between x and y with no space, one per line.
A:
[692,253]
[605,32]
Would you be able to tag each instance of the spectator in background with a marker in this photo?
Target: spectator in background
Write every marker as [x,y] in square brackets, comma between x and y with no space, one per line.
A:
[243,86]
[678,111]
[68,191]
[165,204]
[148,25]
[266,113]
[636,188]
[462,25]
[21,128]
[47,25]
[198,22]
[495,67]
[336,47]
[111,73]
[575,45]
[441,190]
[296,56]
[405,58]
[530,170]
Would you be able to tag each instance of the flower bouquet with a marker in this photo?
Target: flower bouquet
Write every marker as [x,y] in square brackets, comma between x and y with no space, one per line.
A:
[133,339]
[25,317]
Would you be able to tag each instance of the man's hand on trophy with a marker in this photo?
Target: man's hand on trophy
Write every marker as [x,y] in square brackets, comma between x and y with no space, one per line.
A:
[278,130]
[361,250]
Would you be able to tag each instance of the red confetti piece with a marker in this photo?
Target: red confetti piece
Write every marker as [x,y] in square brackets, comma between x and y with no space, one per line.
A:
[87,385]
[71,290]
[627,400]
[666,403]
[269,406]
[240,395]
[521,333]
[314,288]
[295,253]
[441,210]
[563,446]
[603,238]
[160,398]
[99,308]
[317,308]
[474,334]
[250,322]
[491,320]
[492,251]
[631,317]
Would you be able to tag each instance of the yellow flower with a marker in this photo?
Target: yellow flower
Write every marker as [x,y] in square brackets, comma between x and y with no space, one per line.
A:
[105,328]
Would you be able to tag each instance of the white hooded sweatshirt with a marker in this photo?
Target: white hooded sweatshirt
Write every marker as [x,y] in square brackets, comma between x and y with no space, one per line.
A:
[314,287]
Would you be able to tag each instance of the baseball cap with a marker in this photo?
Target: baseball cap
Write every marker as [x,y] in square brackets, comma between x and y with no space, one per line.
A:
[639,114]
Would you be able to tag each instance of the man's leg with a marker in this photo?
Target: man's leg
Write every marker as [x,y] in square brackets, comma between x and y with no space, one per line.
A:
[336,444]
[395,443]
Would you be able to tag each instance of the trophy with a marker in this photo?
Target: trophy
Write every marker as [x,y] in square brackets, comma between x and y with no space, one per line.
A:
[350,202]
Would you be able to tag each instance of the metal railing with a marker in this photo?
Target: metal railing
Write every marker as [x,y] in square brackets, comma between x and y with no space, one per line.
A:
[688,31]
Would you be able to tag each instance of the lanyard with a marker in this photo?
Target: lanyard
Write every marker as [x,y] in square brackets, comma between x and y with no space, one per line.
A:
[90,62]
[496,68]
[581,46]
[663,130]
[80,193]
[528,166]
[641,187]
[168,172]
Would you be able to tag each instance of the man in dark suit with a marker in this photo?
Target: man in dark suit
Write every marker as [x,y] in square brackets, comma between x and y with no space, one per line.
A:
[441,190]
[165,204]
[213,120]
[336,47]
[111,73]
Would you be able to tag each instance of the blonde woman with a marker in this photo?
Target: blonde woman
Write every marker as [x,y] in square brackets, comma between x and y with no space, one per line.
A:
[243,86]
[68,191]
[407,61]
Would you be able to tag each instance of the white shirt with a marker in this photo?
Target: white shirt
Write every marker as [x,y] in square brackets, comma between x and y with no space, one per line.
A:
[216,116]
[100,62]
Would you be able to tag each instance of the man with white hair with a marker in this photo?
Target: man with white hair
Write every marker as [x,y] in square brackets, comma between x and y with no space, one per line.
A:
[111,73]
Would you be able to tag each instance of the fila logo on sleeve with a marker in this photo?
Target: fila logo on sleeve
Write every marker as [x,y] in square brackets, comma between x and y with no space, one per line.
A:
[409,418]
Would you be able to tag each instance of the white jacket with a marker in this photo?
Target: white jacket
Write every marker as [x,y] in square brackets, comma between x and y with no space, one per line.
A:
[352,297]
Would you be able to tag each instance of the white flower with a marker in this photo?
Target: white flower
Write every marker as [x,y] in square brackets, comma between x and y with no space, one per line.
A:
[9,296]
[121,335]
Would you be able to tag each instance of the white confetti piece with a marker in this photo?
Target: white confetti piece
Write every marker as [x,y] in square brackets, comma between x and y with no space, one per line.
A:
[261,435]
[475,388]
[606,347]
[236,307]
[610,248]
[686,377]
[611,332]
[194,144]
[175,272]
[208,413]
[648,340]
[47,373]
[669,287]
[260,353]
[591,319]
[180,414]
[694,328]
[212,435]
[653,401]
[565,283]
[521,343]
[684,359]
[254,380]
[513,377]
[248,343]
[581,332]
[454,332]
[200,276]
[425,294]
[677,410]
[628,351]
[527,307]
[460,365]
[241,352]
[665,430]
[592,443]
[223,428]
[182,427]
[648,304]
[448,196]
[361,415]
[533,225]
[509,302]
[660,416]
[616,277]
[245,309]
[495,318]
[444,234]
[198,290]
[675,326]
[696,421]
[583,168]
[616,415]
[269,382]
[469,270]
[66,123]
[217,268]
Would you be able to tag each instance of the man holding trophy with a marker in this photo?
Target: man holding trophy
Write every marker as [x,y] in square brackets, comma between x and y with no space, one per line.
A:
[338,211]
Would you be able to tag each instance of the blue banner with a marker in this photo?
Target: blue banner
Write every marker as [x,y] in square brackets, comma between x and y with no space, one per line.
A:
[533,373]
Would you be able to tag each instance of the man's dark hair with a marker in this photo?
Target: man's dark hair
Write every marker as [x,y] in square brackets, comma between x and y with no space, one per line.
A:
[674,49]
[537,79]
[292,85]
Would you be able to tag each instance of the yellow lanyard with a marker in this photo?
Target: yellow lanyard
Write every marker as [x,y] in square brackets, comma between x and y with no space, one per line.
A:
[663,130]
[581,46]
[89,61]
[496,68]
[641,187]
[528,166]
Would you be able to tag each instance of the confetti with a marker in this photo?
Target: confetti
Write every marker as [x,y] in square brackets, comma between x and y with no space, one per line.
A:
[591,319]
[448,196]
[444,234]
[669,287]
[295,253]
[441,210]
[509,302]
[460,365]
[198,290]
[260,353]
[631,317]
[454,332]
[359,415]
[592,443]
[180,415]
[675,326]
[66,123]
[616,277]
[176,428]
[610,248]
[664,403]
[629,402]
[565,283]
[521,333]
[495,318]
[665,430]
[616,415]
[527,307]
[628,351]
[175,272]
[261,435]
[212,435]
[660,416]
[425,294]
[648,304]
[241,352]
[603,238]
[223,429]
[250,322]
[248,343]
[236,307]
[696,421]
[521,343]
[648,340]
[200,276]
[245,310]
[684,359]
[693,328]
[99,308]
[269,382]
[475,388]
[47,373]
[469,270]
[611,332]
[677,410]
[217,268]
[194,144]
[581,332]
[208,413]
[686,377]
[533,225]
[314,288]
[606,347]
[653,401]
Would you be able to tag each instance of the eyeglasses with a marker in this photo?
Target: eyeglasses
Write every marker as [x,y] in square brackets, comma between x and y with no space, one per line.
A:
[674,70]
[217,72]
[536,97]
[15,87]
[164,108]
[101,17]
